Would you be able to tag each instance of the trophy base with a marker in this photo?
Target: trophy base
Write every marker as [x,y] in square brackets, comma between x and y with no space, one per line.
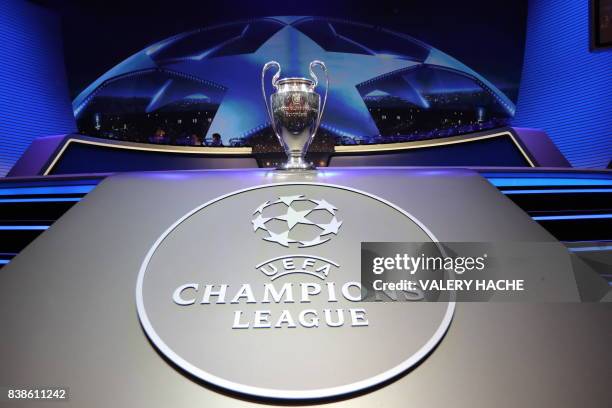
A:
[296,164]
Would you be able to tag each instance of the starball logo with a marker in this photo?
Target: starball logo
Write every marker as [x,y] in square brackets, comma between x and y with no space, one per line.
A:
[292,211]
[278,221]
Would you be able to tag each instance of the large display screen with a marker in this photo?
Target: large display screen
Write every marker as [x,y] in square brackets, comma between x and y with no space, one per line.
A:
[392,78]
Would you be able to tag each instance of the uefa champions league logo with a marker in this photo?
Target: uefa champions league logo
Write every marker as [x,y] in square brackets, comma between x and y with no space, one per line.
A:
[212,302]
[281,219]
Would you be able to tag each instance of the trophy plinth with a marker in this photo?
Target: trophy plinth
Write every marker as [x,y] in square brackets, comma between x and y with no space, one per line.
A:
[296,163]
[295,112]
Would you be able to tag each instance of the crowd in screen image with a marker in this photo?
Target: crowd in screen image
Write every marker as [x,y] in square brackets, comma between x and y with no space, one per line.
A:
[397,120]
[161,137]
[448,115]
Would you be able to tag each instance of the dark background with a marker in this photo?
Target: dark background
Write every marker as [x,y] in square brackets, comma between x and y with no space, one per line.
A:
[488,36]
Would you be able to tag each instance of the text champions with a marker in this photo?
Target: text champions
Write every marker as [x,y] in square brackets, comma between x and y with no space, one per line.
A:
[194,294]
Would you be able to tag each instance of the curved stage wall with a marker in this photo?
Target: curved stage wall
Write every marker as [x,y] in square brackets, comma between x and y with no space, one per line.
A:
[74,154]
[566,89]
[34,99]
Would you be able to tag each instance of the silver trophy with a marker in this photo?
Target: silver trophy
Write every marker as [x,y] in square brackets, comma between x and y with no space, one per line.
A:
[295,112]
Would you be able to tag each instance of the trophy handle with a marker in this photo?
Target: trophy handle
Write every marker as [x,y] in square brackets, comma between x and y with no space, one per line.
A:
[263,87]
[316,82]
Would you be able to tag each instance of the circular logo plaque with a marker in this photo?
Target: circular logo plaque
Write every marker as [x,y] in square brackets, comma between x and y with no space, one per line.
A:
[258,292]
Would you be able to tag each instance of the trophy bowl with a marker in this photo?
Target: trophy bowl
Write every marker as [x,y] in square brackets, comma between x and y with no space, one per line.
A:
[295,112]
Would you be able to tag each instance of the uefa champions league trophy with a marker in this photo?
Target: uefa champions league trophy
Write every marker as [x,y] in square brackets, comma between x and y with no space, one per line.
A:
[295,112]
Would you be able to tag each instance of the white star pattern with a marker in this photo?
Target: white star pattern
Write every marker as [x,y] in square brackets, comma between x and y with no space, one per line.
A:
[260,222]
[292,217]
[261,208]
[289,199]
[295,217]
[282,238]
[332,227]
[324,205]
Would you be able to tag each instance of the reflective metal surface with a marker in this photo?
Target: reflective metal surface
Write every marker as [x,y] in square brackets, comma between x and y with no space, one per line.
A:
[295,112]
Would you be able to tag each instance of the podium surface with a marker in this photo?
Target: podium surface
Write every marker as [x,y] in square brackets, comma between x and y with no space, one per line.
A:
[80,303]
